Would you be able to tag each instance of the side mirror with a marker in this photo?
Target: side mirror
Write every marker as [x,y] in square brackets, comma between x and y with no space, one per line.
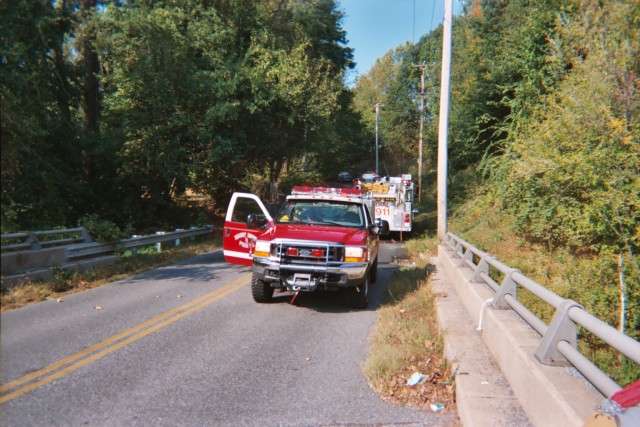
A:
[383,227]
[256,221]
[252,221]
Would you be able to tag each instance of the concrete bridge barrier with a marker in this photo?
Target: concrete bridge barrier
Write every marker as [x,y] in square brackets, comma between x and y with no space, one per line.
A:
[39,258]
[544,374]
[73,248]
[549,395]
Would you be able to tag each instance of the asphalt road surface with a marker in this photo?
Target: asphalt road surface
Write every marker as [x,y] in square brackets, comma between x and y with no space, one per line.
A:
[187,345]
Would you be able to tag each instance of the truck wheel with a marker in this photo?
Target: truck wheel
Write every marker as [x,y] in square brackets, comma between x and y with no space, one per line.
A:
[260,290]
[373,273]
[361,294]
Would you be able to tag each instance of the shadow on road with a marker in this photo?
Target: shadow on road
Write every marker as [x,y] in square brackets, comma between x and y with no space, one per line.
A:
[340,301]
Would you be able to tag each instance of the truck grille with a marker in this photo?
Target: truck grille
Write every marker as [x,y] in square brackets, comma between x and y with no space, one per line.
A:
[307,253]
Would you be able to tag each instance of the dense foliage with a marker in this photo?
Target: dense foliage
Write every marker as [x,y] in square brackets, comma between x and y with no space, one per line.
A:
[116,109]
[544,124]
[544,104]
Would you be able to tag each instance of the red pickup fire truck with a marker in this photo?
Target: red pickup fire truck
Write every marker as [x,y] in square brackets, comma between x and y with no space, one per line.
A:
[322,238]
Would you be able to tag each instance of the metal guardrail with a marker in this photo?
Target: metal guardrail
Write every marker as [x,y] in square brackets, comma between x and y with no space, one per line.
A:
[161,236]
[72,248]
[559,345]
[33,240]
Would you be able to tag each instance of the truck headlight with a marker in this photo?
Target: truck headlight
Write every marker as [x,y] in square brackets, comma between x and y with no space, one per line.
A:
[355,254]
[262,249]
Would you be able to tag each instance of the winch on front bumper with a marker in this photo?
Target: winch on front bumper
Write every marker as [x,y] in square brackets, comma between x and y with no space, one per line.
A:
[307,266]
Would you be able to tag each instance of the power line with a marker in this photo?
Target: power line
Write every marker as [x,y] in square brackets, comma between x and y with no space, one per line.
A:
[433,11]
[413,39]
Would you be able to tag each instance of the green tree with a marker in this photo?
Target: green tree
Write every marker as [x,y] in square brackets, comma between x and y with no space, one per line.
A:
[295,70]
[393,82]
[580,154]
[39,163]
[169,87]
[127,104]
[571,176]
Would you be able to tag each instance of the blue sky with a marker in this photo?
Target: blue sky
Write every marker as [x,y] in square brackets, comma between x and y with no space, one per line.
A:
[375,26]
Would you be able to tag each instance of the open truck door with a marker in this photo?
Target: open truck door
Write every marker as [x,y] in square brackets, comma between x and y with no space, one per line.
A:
[238,239]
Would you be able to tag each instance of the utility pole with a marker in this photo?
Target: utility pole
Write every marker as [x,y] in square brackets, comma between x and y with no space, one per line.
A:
[444,120]
[423,68]
[378,105]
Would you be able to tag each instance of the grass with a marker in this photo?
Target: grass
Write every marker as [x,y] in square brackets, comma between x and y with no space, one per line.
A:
[65,282]
[406,338]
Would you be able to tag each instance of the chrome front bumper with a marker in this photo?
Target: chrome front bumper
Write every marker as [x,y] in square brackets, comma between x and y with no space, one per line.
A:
[309,277]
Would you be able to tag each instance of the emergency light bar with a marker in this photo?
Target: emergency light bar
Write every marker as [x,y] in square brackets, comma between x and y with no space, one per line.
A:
[324,191]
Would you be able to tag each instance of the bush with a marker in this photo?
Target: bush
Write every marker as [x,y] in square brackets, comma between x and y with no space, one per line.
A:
[102,230]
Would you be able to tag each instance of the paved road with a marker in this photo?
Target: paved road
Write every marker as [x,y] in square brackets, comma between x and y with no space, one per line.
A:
[186,345]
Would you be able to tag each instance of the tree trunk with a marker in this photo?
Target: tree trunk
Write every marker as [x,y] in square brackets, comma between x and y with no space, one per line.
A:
[63,89]
[91,69]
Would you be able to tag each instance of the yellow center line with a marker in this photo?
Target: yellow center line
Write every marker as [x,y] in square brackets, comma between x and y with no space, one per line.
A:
[183,311]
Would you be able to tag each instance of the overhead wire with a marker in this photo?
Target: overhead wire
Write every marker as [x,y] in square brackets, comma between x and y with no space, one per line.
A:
[413,38]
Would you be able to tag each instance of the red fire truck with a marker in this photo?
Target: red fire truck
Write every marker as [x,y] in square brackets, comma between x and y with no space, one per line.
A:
[393,200]
[322,238]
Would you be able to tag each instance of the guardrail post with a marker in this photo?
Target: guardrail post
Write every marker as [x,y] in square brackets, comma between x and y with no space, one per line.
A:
[159,244]
[507,287]
[32,239]
[466,256]
[192,238]
[458,249]
[483,267]
[451,243]
[561,328]
[134,250]
[84,233]
[177,241]
[447,245]
[447,240]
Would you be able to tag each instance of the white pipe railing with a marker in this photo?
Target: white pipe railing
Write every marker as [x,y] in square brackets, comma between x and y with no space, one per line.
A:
[559,339]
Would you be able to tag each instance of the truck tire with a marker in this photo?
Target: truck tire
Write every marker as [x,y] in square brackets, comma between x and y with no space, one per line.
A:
[361,294]
[260,290]
[373,273]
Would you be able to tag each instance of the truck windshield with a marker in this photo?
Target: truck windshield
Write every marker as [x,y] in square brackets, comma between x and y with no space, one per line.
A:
[321,212]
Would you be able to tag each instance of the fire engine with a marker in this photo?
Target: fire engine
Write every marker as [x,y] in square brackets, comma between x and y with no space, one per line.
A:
[322,238]
[393,201]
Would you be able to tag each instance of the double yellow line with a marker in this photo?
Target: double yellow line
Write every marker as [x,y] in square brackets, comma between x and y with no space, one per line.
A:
[69,364]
